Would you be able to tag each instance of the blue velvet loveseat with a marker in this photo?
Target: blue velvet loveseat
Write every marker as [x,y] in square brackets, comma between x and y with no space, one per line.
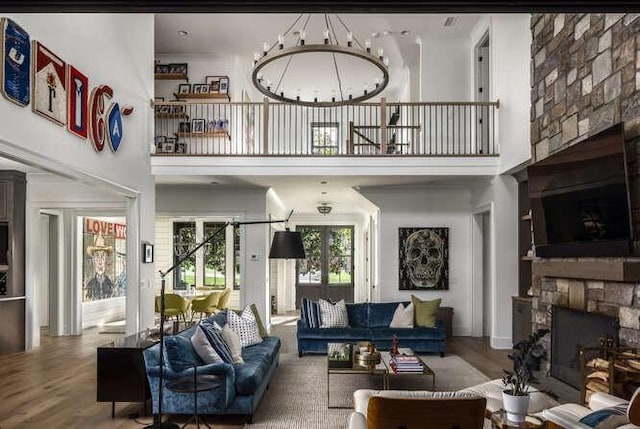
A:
[244,384]
[370,322]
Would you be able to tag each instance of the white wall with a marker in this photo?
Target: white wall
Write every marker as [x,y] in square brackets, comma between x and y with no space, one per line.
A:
[445,69]
[245,204]
[424,207]
[510,57]
[502,195]
[112,49]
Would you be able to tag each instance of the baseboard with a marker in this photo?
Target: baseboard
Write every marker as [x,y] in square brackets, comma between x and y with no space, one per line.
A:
[501,342]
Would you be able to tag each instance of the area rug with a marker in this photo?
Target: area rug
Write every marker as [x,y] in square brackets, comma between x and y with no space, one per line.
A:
[297,397]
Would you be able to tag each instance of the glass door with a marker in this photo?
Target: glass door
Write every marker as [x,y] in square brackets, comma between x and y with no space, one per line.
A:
[327,272]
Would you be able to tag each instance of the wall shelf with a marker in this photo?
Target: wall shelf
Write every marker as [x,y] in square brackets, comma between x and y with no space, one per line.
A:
[590,269]
[212,134]
[172,116]
[208,96]
[171,76]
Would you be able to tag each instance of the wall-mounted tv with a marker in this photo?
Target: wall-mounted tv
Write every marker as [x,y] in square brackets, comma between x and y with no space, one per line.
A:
[580,199]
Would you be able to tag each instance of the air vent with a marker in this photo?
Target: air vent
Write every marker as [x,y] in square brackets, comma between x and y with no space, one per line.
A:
[450,21]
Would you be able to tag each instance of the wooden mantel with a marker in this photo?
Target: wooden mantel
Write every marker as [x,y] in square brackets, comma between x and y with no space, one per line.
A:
[589,269]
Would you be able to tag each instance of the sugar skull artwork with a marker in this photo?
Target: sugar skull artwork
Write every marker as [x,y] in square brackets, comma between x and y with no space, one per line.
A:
[423,258]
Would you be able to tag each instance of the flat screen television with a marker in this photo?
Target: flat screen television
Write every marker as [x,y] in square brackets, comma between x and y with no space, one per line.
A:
[580,199]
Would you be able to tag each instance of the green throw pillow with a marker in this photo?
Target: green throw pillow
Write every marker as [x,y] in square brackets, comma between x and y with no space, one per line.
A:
[425,311]
[261,330]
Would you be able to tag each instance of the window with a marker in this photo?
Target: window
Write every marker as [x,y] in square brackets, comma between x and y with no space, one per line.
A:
[215,256]
[329,251]
[184,239]
[324,138]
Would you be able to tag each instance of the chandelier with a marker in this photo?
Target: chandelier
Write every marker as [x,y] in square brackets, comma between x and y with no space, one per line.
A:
[294,69]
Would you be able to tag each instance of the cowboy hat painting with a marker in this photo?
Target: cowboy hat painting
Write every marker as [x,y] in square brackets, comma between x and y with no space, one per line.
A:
[99,245]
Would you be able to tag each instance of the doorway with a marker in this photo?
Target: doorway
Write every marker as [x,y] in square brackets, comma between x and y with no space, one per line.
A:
[482,94]
[327,271]
[483,262]
[47,289]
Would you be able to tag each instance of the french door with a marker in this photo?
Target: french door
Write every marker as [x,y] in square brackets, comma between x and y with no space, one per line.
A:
[327,271]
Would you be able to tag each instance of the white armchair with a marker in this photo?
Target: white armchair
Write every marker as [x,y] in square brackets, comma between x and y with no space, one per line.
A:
[568,415]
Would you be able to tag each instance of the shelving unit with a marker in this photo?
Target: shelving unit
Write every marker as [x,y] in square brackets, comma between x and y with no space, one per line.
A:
[172,116]
[171,76]
[206,96]
[522,303]
[212,134]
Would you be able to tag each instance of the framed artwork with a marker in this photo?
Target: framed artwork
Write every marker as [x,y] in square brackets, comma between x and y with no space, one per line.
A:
[169,145]
[214,83]
[164,109]
[197,126]
[158,100]
[184,127]
[77,103]
[16,63]
[181,148]
[162,68]
[49,95]
[178,68]
[184,88]
[423,262]
[178,109]
[197,88]
[224,85]
[147,252]
[211,126]
[159,141]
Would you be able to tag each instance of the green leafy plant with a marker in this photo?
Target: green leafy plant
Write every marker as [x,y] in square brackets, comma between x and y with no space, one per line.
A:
[526,358]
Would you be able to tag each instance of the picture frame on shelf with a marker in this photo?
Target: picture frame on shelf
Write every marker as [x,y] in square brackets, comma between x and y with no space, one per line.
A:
[214,83]
[197,126]
[178,68]
[178,109]
[159,141]
[181,147]
[224,85]
[184,88]
[162,68]
[211,126]
[165,109]
[197,88]
[184,127]
[169,146]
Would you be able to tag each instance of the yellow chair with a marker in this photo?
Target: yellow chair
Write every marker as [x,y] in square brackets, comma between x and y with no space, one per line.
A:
[205,304]
[174,306]
[224,299]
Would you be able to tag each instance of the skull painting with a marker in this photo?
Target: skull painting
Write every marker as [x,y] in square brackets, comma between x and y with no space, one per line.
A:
[424,258]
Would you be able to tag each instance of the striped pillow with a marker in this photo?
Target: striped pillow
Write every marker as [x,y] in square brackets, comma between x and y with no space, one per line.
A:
[310,313]
[333,315]
[217,342]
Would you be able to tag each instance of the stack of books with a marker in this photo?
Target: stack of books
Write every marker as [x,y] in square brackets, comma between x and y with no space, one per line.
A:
[400,363]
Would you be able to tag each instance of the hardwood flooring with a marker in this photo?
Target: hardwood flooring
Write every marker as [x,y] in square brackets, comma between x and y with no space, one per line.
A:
[55,385]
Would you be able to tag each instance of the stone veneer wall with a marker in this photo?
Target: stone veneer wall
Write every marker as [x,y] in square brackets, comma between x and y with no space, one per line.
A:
[586,78]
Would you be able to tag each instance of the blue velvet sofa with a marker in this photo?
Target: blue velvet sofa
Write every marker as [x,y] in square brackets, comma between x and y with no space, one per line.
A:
[244,384]
[370,322]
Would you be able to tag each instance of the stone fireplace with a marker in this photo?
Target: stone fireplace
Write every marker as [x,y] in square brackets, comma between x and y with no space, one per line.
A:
[586,78]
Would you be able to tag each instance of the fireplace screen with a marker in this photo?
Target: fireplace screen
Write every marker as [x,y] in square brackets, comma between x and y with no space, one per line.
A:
[571,329]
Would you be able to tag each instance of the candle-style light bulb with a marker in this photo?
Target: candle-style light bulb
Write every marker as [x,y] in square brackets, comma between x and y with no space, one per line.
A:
[364,86]
[377,82]
[350,92]
[265,48]
[367,45]
[259,77]
[325,33]
[315,96]
[256,57]
[268,85]
[386,61]
[281,92]
[380,53]
[333,96]
[298,94]
[302,36]
[349,38]
[280,41]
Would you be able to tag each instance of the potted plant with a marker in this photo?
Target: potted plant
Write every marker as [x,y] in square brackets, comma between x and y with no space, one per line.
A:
[526,358]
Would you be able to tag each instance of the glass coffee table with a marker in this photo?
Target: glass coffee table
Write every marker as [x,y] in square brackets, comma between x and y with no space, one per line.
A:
[381,366]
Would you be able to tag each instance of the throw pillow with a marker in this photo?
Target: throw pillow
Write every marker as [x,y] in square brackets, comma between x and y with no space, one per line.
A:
[310,313]
[245,326]
[403,317]
[425,311]
[333,315]
[203,347]
[233,341]
[217,342]
[261,329]
[180,353]
[607,417]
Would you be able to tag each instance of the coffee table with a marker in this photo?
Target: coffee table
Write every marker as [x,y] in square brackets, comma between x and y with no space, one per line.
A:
[382,368]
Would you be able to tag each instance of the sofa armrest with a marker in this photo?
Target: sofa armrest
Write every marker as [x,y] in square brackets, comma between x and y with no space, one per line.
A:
[601,400]
[357,421]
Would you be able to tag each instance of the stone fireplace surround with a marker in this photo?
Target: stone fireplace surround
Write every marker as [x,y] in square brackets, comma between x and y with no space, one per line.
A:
[586,78]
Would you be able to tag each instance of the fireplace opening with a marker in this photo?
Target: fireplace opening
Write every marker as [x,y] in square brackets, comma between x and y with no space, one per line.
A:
[571,329]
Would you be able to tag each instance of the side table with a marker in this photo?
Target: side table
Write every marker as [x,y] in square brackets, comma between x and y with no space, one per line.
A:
[194,385]
[499,421]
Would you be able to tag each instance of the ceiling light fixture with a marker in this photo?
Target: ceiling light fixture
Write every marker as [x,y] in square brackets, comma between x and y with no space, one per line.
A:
[183,33]
[324,209]
[450,21]
[340,51]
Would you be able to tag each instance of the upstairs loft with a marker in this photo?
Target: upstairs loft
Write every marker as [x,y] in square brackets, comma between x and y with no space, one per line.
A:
[373,138]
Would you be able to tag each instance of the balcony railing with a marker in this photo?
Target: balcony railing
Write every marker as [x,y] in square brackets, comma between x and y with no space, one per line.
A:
[365,129]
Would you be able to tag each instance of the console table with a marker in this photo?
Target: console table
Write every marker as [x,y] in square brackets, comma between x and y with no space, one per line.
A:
[121,371]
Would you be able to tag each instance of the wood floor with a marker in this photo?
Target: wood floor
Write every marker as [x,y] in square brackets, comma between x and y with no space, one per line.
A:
[55,385]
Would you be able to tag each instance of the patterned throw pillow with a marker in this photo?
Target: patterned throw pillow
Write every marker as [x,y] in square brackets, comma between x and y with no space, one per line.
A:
[217,342]
[245,326]
[310,313]
[333,315]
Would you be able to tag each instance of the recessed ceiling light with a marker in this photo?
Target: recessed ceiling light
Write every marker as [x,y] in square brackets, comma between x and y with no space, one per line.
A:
[375,34]
[324,182]
[450,21]
[405,32]
[324,192]
[183,33]
[386,32]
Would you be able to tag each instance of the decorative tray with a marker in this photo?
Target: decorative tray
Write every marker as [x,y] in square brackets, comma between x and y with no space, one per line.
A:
[367,359]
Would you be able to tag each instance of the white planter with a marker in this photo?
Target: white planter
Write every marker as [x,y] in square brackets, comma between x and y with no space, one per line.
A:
[515,406]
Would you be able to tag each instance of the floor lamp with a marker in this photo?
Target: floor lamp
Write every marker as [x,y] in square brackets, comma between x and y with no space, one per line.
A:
[285,245]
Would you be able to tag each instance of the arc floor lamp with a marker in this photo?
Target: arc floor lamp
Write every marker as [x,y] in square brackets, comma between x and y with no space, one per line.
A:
[285,245]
